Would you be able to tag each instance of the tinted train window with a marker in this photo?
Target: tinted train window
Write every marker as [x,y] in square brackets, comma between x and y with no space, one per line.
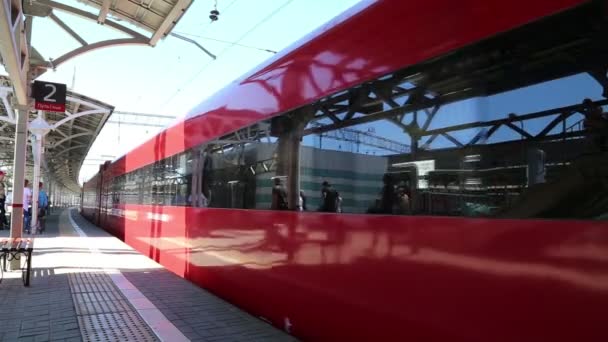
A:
[521,153]
[514,126]
[231,172]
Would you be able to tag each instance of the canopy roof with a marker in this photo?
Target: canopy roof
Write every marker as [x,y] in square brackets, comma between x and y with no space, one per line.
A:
[67,145]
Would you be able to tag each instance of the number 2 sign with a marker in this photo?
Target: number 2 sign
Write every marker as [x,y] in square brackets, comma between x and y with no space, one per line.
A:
[49,96]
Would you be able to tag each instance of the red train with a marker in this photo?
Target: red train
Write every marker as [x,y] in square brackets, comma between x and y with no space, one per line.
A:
[465,141]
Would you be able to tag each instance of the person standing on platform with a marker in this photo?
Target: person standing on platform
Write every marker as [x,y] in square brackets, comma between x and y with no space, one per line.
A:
[330,199]
[27,201]
[596,125]
[3,221]
[279,195]
[388,196]
[43,204]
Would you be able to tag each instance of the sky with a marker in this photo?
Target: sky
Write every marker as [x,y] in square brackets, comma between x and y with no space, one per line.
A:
[174,76]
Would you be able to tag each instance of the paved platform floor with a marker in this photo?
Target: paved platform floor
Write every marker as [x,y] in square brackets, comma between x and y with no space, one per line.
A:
[89,286]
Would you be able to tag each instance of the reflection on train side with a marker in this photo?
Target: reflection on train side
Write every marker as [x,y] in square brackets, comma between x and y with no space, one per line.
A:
[278,246]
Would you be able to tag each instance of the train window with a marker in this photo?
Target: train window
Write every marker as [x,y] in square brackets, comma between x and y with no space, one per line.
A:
[512,127]
[522,152]
[229,172]
[502,129]
[519,153]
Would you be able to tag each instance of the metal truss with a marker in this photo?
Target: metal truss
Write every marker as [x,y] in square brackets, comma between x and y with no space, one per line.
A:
[387,104]
[156,17]
[46,8]
[400,99]
[14,47]
[250,135]
[263,166]
[411,98]
[488,128]
[360,137]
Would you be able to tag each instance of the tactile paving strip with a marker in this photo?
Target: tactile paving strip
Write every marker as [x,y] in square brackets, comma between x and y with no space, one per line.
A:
[100,307]
[90,277]
[91,282]
[103,312]
[88,297]
[120,326]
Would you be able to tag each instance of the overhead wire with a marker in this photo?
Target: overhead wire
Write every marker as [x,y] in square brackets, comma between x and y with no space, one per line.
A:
[232,44]
[203,28]
[227,42]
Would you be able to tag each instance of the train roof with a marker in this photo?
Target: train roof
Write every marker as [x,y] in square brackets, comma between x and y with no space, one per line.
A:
[365,43]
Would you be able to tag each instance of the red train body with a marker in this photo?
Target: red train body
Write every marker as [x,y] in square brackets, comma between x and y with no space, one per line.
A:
[326,276]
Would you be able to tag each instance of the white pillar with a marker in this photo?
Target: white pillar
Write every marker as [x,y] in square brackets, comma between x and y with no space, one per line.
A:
[19,170]
[39,128]
[49,191]
[37,150]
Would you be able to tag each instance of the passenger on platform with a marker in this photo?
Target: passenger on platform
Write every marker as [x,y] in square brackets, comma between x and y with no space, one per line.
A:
[330,199]
[403,200]
[388,196]
[3,222]
[27,202]
[388,202]
[43,205]
[596,124]
[279,195]
[302,205]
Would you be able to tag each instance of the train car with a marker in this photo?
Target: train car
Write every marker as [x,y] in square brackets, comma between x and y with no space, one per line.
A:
[411,171]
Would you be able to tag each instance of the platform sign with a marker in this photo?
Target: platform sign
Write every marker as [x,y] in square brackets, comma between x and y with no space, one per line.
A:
[49,96]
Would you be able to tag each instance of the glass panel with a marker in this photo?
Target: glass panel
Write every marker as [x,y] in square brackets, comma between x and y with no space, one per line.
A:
[512,127]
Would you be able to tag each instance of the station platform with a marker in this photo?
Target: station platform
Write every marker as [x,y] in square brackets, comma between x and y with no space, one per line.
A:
[87,285]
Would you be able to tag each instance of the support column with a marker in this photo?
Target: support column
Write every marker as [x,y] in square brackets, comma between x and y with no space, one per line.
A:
[299,122]
[282,155]
[50,189]
[36,149]
[39,128]
[414,146]
[19,175]
[293,170]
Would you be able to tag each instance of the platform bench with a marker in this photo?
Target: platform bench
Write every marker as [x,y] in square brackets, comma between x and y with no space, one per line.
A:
[16,249]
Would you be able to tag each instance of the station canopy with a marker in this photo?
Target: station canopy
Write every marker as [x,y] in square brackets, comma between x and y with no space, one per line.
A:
[73,133]
[66,146]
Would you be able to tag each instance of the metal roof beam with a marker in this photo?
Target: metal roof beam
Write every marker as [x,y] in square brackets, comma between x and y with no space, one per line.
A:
[7,120]
[95,46]
[69,149]
[87,15]
[9,109]
[74,116]
[55,145]
[14,47]
[135,37]
[177,10]
[68,29]
[103,12]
